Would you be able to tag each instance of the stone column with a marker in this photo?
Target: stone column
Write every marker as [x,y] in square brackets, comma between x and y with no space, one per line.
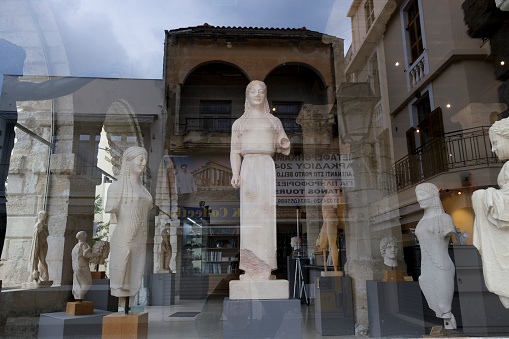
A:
[355,118]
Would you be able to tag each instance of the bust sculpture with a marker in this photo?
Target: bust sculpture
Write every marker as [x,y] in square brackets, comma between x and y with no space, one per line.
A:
[82,277]
[37,265]
[131,203]
[256,136]
[389,248]
[166,251]
[491,224]
[434,231]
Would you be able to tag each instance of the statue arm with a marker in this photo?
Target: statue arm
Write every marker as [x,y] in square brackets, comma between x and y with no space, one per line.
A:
[448,226]
[114,198]
[235,157]
[282,141]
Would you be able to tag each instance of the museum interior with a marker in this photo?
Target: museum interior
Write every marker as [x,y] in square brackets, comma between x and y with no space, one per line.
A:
[273,183]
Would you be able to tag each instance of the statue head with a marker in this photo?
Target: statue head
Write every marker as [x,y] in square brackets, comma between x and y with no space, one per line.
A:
[42,215]
[256,95]
[134,160]
[389,248]
[499,137]
[81,236]
[428,195]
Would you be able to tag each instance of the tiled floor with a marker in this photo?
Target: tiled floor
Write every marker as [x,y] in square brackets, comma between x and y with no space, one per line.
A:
[207,324]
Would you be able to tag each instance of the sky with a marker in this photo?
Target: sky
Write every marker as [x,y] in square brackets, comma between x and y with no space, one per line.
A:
[128,35]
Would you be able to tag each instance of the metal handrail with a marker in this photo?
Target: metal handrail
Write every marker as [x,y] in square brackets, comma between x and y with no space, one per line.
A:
[458,149]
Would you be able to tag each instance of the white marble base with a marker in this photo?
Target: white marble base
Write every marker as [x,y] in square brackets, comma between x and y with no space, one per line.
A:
[259,289]
[34,284]
[331,273]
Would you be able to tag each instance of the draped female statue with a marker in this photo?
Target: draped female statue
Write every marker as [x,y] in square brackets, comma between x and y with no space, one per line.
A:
[256,136]
[491,225]
[131,203]
[434,231]
[82,277]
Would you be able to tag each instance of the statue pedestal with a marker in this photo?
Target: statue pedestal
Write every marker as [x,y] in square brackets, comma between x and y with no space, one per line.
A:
[331,274]
[393,276]
[118,325]
[63,325]
[37,284]
[98,275]
[162,289]
[100,294]
[262,318]
[395,309]
[259,289]
[334,306]
[79,308]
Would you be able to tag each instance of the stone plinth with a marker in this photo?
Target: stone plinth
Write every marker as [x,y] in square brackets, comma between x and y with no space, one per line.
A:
[79,308]
[262,318]
[259,289]
[334,314]
[62,325]
[162,289]
[100,294]
[395,309]
[118,325]
[331,273]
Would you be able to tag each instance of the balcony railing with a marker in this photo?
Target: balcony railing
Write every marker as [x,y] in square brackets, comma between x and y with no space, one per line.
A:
[417,70]
[225,124]
[452,150]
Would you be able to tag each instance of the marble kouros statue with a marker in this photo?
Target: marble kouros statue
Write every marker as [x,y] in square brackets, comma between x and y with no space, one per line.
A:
[329,231]
[130,201]
[434,231]
[82,277]
[256,136]
[491,224]
[389,248]
[166,251]
[37,266]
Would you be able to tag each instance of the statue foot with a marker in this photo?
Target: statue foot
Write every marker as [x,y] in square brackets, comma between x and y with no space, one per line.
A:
[450,323]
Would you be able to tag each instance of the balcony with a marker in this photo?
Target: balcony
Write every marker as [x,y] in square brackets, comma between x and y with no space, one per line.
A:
[454,150]
[418,70]
[225,124]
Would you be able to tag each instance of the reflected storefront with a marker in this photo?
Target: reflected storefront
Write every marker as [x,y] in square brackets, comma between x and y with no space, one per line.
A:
[390,138]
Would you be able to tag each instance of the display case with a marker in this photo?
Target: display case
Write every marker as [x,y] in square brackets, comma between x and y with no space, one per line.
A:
[220,257]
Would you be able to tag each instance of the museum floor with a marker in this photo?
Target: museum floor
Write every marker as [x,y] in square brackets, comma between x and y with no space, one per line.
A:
[208,323]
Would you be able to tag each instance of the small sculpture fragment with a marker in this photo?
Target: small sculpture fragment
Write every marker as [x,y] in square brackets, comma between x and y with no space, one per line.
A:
[491,224]
[82,277]
[101,250]
[434,231]
[166,250]
[37,265]
[131,203]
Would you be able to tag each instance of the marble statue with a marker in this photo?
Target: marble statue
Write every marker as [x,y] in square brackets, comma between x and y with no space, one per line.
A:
[434,231]
[166,251]
[389,248]
[37,265]
[329,231]
[491,224]
[256,136]
[82,277]
[130,201]
[101,250]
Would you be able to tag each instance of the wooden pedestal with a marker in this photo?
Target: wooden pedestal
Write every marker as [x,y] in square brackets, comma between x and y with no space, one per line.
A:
[98,275]
[121,326]
[79,308]
[393,276]
[438,332]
